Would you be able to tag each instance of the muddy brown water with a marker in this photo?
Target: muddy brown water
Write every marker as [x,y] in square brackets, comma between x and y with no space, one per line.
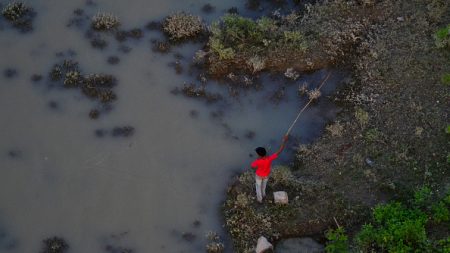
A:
[57,178]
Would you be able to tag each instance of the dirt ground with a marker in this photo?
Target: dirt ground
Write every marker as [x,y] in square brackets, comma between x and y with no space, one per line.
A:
[388,140]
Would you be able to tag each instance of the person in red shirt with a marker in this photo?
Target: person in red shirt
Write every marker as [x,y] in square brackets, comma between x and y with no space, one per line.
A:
[262,166]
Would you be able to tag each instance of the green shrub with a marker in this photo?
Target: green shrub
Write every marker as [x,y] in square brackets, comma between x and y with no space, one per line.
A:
[337,241]
[440,212]
[235,34]
[395,229]
[422,197]
[442,37]
[445,79]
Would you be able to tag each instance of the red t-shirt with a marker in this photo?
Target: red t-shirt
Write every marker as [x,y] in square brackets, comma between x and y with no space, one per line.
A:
[262,165]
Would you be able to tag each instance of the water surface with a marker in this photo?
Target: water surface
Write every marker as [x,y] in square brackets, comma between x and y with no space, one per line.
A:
[142,192]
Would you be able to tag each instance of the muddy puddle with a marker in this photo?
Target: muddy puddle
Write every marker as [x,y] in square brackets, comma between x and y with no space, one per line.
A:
[149,173]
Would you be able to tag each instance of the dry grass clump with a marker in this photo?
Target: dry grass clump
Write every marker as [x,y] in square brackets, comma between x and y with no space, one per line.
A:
[291,74]
[15,11]
[314,94]
[19,15]
[181,26]
[215,245]
[335,129]
[105,22]
[257,63]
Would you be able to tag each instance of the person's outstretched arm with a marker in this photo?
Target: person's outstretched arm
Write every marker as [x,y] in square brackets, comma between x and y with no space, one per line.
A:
[283,144]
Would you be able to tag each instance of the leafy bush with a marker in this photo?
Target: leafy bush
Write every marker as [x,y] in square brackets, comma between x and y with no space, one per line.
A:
[440,212]
[396,229]
[337,241]
[235,34]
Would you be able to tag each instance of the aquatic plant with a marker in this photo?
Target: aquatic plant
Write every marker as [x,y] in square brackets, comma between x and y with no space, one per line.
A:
[181,26]
[56,73]
[161,46]
[55,245]
[72,79]
[20,15]
[291,74]
[104,22]
[214,245]
[125,131]
[192,90]
[314,94]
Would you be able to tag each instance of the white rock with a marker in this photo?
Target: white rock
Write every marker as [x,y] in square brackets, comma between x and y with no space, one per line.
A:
[263,245]
[280,197]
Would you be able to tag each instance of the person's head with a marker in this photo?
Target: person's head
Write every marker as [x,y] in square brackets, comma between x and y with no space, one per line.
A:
[261,151]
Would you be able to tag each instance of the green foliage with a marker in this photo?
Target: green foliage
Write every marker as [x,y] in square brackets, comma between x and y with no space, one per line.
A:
[235,34]
[442,37]
[422,197]
[440,212]
[445,79]
[220,50]
[396,229]
[447,130]
[443,245]
[337,241]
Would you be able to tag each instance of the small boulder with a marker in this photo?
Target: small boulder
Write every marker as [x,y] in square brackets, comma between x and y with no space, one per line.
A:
[305,244]
[263,245]
[280,197]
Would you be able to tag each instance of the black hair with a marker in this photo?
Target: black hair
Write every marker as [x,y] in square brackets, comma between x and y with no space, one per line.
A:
[261,151]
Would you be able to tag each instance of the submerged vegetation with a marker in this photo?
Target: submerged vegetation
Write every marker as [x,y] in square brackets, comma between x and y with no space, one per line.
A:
[99,87]
[55,245]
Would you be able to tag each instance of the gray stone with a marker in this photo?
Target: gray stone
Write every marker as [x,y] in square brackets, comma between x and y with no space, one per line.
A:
[263,245]
[280,197]
[299,245]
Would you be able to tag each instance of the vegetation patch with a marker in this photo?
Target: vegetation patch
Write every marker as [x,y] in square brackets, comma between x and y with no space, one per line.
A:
[389,138]
[399,227]
[55,245]
[182,26]
[98,87]
[19,15]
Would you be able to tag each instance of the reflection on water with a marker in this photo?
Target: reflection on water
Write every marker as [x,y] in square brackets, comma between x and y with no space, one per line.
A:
[157,190]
